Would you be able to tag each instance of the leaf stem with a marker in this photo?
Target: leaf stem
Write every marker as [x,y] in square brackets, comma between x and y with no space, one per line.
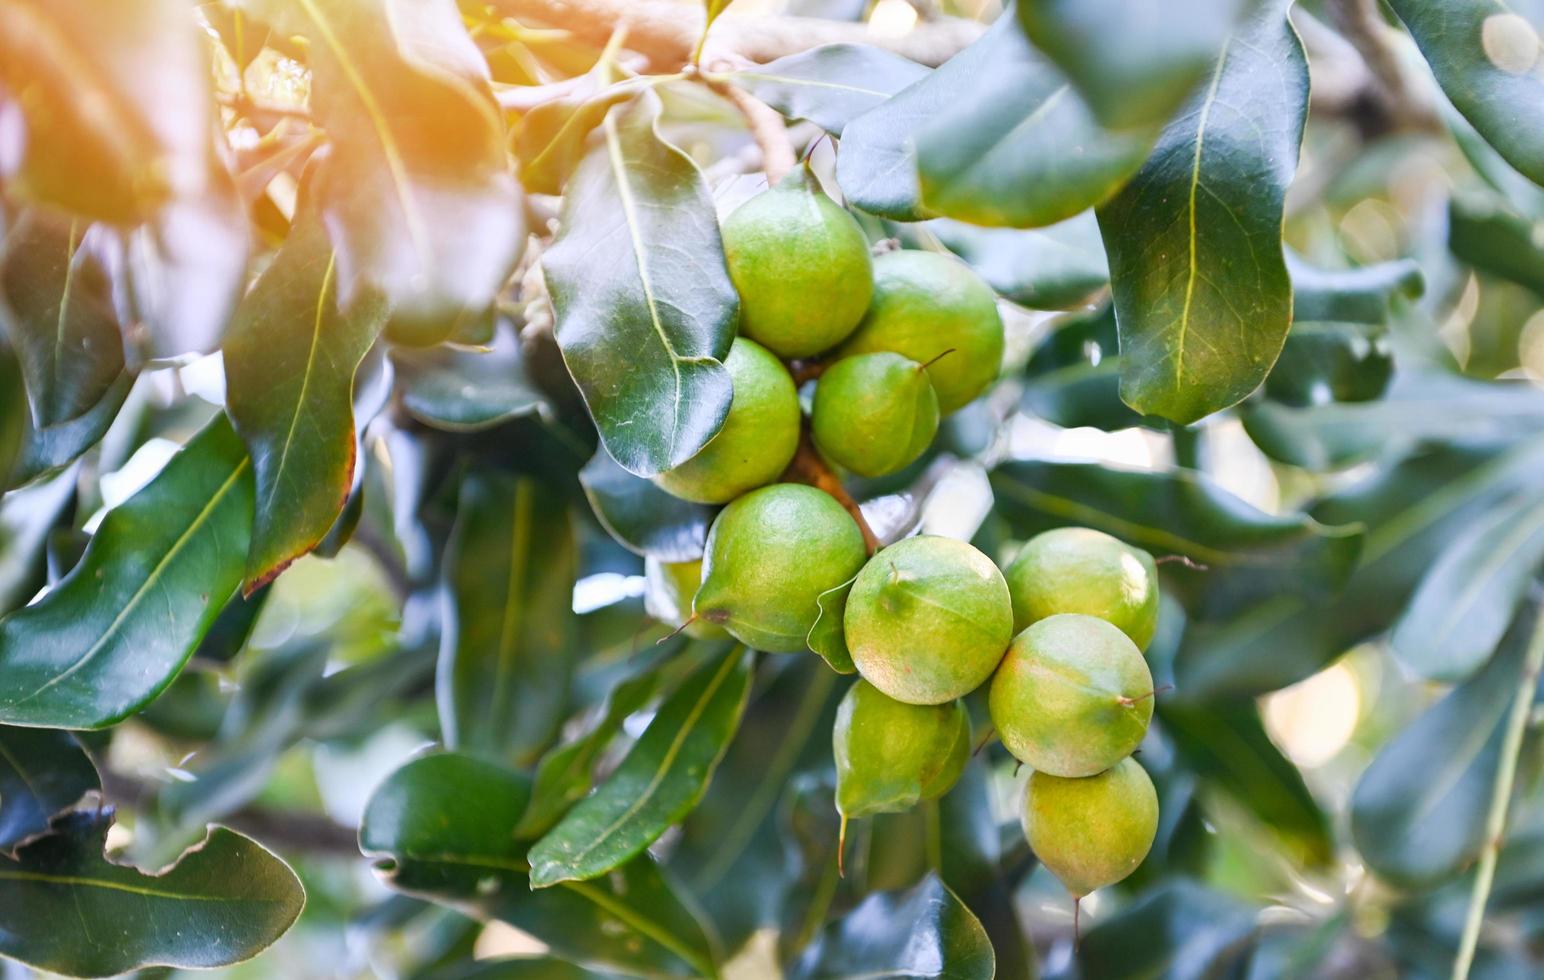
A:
[1495,822]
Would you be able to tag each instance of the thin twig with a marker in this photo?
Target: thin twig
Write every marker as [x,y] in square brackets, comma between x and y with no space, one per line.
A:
[808,467]
[767,128]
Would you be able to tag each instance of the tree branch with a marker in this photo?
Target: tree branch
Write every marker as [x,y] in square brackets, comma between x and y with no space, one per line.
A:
[767,128]
[808,467]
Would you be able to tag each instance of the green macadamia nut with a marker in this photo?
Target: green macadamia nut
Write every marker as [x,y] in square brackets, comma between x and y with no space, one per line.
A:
[667,596]
[770,554]
[891,756]
[874,413]
[801,265]
[925,304]
[1080,570]
[928,620]
[1094,831]
[759,437]
[1072,697]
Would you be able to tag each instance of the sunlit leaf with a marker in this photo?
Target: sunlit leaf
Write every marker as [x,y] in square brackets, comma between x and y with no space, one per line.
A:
[829,85]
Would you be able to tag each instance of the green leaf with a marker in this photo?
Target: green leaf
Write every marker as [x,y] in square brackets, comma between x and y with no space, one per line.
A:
[1045,268]
[48,449]
[1201,290]
[1356,295]
[429,842]
[1324,362]
[1134,62]
[506,647]
[67,909]
[826,636]
[1485,232]
[1485,55]
[27,517]
[15,416]
[416,191]
[830,85]
[1466,599]
[658,783]
[1249,555]
[290,362]
[1079,395]
[642,517]
[1418,812]
[551,140]
[115,139]
[645,308]
[925,931]
[42,772]
[461,390]
[109,637]
[1180,922]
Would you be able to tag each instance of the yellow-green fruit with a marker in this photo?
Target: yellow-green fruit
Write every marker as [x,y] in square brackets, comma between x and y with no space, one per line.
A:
[1072,697]
[925,304]
[668,590]
[874,413]
[1094,831]
[759,436]
[801,266]
[770,555]
[1080,570]
[928,619]
[891,756]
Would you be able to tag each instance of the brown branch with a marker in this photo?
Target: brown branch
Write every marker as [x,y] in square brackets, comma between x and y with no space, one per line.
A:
[767,128]
[808,467]
[1390,84]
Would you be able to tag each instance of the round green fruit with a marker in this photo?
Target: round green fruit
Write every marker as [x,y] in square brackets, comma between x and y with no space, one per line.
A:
[759,437]
[891,756]
[874,413]
[1073,696]
[1080,570]
[801,265]
[770,555]
[925,305]
[668,591]
[928,619]
[1094,831]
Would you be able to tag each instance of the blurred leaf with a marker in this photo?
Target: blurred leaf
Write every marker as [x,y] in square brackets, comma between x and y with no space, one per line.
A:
[117,629]
[1202,295]
[428,841]
[552,137]
[1249,555]
[505,655]
[829,85]
[1483,55]
[416,191]
[49,449]
[15,415]
[42,772]
[118,139]
[1324,362]
[515,968]
[1181,930]
[1079,395]
[826,635]
[641,516]
[1134,62]
[1487,234]
[663,777]
[1418,812]
[1357,295]
[998,154]
[924,932]
[27,517]
[290,362]
[1045,268]
[644,304]
[461,390]
[1469,594]
[67,909]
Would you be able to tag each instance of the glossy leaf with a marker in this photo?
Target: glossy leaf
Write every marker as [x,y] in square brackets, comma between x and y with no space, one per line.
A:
[1466,599]
[1045,268]
[1202,295]
[462,390]
[1079,395]
[827,636]
[27,517]
[290,362]
[1179,924]
[110,636]
[641,516]
[42,772]
[416,192]
[48,449]
[553,136]
[67,909]
[645,308]
[829,85]
[924,932]
[505,650]
[439,828]
[658,783]
[1355,295]
[1485,57]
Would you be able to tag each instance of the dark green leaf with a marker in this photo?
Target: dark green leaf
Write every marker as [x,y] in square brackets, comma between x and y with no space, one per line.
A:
[506,648]
[1486,233]
[51,448]
[110,636]
[644,518]
[1323,362]
[462,390]
[658,783]
[1485,56]
[552,136]
[924,932]
[1358,295]
[830,85]
[42,772]
[67,909]
[1418,812]
[27,517]
[1201,290]
[1181,930]
[645,308]
[15,416]
[1079,395]
[290,361]
[826,636]
[1134,62]
[440,827]
[1044,268]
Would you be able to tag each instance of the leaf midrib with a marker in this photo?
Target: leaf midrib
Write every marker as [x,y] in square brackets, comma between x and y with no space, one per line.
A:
[1195,186]
[82,882]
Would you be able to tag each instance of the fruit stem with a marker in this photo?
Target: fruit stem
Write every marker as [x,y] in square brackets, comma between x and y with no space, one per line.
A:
[935,360]
[841,847]
[985,738]
[1128,702]
[807,467]
[677,631]
[803,371]
[1077,931]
